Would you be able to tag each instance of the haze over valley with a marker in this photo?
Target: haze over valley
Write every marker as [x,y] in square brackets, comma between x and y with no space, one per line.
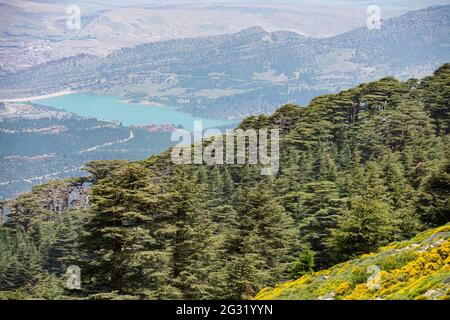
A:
[248,72]
[34,32]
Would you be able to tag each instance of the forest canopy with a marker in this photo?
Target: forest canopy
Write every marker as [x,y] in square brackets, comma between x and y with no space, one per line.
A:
[358,170]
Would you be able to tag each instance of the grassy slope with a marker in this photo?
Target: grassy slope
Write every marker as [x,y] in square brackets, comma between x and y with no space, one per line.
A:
[415,269]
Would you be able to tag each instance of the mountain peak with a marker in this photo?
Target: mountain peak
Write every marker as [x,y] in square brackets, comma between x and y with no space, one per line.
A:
[252,30]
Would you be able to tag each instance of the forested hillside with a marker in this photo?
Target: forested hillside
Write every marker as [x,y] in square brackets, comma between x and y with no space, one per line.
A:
[358,170]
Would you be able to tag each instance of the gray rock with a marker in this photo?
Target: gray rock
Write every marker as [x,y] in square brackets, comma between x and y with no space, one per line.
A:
[435,294]
[328,296]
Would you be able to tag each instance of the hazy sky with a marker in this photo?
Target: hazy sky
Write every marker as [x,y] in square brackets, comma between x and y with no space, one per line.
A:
[391,7]
[413,4]
[186,18]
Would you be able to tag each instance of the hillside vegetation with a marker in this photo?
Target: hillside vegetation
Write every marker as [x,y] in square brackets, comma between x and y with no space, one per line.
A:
[415,269]
[358,170]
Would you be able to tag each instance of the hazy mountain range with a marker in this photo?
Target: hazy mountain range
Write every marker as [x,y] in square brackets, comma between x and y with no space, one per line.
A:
[34,32]
[251,71]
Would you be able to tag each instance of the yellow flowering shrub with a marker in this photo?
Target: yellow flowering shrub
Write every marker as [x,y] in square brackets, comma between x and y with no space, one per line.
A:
[414,269]
[343,288]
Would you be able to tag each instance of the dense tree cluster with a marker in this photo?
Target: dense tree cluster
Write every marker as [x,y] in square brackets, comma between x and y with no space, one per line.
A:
[358,170]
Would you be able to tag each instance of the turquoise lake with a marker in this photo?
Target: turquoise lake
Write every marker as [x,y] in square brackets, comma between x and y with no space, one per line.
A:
[112,109]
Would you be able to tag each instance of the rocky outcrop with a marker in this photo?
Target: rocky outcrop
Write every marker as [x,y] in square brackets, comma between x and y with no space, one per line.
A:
[55,196]
[64,196]
[5,209]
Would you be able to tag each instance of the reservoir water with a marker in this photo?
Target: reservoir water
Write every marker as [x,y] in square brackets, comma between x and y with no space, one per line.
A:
[110,108]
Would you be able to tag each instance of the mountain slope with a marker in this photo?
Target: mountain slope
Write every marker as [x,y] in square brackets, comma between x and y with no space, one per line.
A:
[40,143]
[415,269]
[251,71]
[358,170]
[34,32]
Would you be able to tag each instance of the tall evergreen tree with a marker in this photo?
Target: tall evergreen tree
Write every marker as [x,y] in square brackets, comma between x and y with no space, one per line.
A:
[319,208]
[262,244]
[361,228]
[191,242]
[124,256]
[434,196]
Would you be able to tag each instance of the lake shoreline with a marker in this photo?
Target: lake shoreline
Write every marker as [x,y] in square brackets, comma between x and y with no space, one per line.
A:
[40,97]
[114,108]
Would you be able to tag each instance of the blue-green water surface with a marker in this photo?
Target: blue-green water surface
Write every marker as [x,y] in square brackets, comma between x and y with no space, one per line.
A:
[111,108]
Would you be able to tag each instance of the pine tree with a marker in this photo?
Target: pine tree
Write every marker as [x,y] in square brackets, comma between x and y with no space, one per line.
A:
[245,270]
[361,228]
[262,244]
[435,93]
[325,166]
[64,249]
[303,265]
[24,265]
[400,195]
[191,240]
[319,205]
[124,254]
[26,212]
[434,196]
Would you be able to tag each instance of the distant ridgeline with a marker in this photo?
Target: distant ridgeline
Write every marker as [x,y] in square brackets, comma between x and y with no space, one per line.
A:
[358,170]
[249,72]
